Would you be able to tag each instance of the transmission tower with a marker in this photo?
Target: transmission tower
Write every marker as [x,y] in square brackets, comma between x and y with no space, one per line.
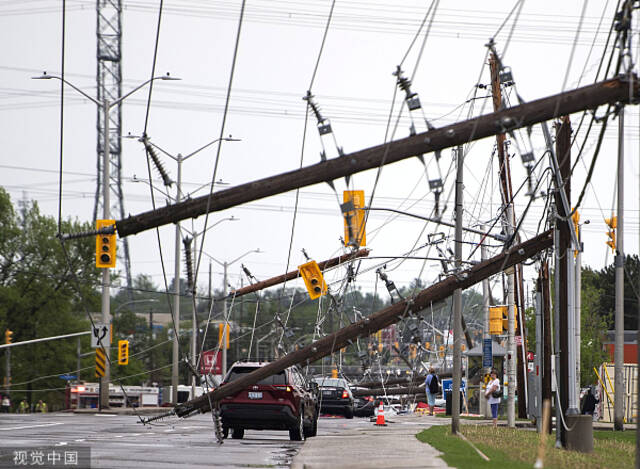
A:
[109,78]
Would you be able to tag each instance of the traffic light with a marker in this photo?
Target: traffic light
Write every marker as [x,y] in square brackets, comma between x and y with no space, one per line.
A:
[105,246]
[334,373]
[380,347]
[612,223]
[123,352]
[354,218]
[313,279]
[495,319]
[221,329]
[8,336]
[576,219]
[499,319]
[413,351]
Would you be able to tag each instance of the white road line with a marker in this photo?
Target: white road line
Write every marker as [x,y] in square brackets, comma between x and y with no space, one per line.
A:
[31,426]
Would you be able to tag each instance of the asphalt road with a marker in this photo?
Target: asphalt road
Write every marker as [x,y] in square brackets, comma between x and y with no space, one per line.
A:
[119,441]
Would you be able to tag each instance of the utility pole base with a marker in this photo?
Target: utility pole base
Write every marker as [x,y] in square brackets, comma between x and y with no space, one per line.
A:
[580,433]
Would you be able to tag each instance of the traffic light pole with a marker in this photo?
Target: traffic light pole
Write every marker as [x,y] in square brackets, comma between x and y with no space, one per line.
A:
[618,353]
[106,273]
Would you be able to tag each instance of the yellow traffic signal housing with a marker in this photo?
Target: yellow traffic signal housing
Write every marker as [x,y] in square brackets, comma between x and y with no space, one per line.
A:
[380,347]
[313,279]
[221,328]
[105,246]
[123,352]
[334,373]
[499,319]
[495,319]
[413,351]
[8,336]
[354,218]
[612,223]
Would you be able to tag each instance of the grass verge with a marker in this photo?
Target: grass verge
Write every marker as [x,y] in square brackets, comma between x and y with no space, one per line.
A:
[518,449]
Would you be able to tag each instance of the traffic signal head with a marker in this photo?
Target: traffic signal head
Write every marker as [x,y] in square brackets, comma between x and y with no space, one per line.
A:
[354,218]
[612,222]
[123,352]
[611,242]
[8,335]
[495,320]
[221,331]
[334,373]
[313,279]
[105,246]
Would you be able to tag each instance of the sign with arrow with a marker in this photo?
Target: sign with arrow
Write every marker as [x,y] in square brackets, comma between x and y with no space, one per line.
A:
[99,333]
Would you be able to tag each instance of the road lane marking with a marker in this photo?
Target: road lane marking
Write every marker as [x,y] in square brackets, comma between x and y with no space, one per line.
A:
[31,426]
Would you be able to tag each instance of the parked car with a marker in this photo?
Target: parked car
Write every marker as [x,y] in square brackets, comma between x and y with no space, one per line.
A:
[335,396]
[284,401]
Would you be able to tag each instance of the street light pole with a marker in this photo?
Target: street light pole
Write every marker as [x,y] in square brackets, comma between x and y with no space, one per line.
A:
[176,297]
[106,106]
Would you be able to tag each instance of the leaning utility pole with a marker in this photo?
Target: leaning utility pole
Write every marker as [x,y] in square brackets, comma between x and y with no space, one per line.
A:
[587,97]
[618,356]
[375,322]
[508,222]
[457,300]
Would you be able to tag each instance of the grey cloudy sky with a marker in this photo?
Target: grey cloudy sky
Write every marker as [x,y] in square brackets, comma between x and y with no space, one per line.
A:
[354,86]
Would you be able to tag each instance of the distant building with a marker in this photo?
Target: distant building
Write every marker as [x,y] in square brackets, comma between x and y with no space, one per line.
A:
[630,345]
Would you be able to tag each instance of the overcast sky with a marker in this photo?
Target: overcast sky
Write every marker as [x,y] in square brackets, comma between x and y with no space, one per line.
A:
[354,86]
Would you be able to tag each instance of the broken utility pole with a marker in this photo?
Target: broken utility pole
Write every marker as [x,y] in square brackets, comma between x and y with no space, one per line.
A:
[295,273]
[587,97]
[375,322]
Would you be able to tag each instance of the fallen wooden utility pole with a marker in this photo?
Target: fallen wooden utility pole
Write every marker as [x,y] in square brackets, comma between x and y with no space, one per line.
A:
[587,97]
[375,322]
[295,273]
[389,391]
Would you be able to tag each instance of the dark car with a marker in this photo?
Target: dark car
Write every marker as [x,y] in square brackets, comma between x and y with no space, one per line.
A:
[283,401]
[335,396]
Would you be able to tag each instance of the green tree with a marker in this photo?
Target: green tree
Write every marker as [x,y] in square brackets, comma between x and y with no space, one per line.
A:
[43,287]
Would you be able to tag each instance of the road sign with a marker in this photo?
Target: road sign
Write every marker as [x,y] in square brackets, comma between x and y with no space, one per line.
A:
[101,362]
[211,362]
[68,377]
[487,353]
[530,356]
[518,341]
[99,331]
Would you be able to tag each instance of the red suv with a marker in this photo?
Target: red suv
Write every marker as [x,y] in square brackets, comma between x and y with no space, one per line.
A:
[283,401]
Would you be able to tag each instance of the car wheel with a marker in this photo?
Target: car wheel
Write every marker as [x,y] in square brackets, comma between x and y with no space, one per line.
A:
[238,433]
[297,433]
[349,413]
[313,431]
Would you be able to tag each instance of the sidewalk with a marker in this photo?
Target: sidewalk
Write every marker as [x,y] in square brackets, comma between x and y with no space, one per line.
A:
[393,446]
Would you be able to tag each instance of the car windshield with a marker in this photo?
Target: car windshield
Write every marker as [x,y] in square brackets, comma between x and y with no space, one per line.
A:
[331,382]
[240,371]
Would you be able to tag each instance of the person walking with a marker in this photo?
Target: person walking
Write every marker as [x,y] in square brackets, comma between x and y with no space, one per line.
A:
[432,387]
[494,395]
[6,404]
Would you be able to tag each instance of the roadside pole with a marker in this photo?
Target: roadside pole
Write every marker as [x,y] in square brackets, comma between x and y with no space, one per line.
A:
[485,327]
[618,354]
[457,300]
[176,295]
[106,273]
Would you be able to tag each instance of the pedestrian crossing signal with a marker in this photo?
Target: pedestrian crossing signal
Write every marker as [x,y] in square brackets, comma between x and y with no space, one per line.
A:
[123,352]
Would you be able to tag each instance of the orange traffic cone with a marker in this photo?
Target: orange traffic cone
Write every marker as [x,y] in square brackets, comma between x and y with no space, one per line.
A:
[380,419]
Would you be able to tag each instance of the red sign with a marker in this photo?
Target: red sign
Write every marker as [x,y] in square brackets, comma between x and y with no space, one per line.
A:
[211,362]
[530,356]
